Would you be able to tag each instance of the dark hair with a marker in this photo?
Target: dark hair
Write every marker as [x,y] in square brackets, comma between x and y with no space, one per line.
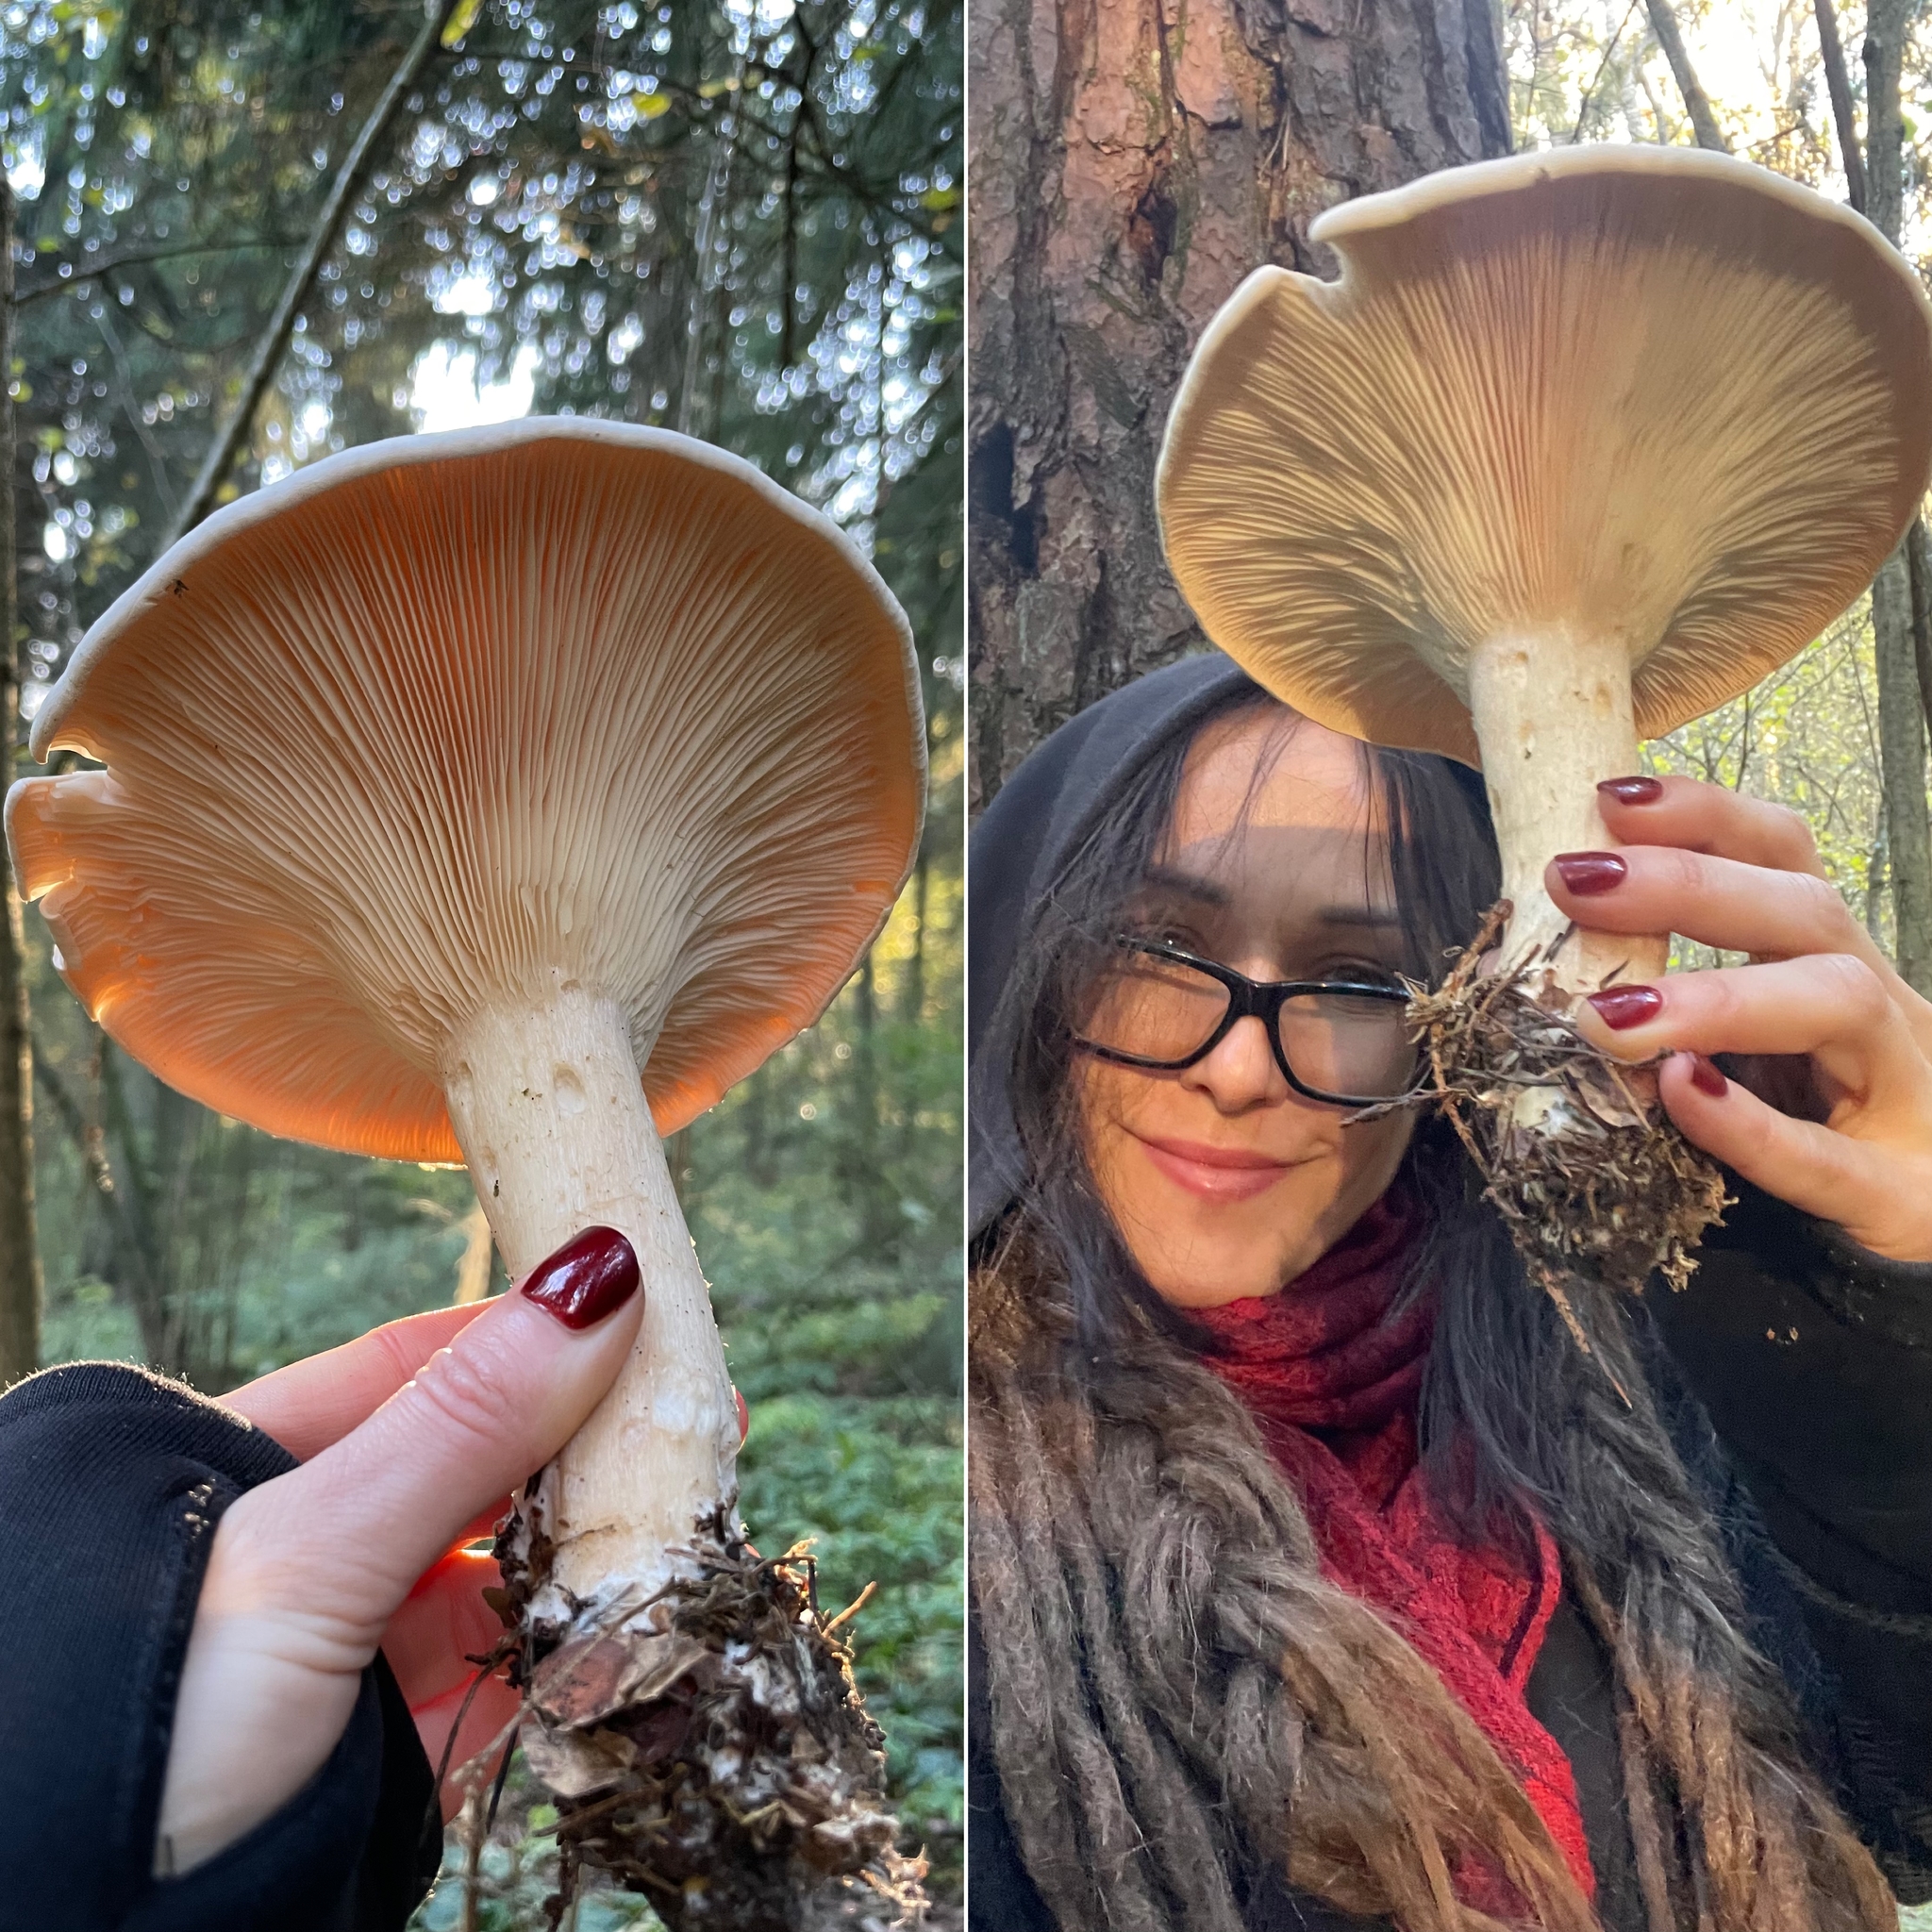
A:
[1171,1677]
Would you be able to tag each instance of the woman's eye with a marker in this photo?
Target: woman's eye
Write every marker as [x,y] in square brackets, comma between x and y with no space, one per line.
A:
[1167,932]
[1357,972]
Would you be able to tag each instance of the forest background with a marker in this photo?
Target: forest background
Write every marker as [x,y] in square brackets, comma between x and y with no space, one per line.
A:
[246,235]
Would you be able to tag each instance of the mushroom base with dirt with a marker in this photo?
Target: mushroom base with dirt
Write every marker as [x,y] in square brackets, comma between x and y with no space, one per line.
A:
[687,1704]
[1592,1177]
[736,1779]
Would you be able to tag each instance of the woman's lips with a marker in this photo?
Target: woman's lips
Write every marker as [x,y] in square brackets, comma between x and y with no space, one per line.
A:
[1215,1173]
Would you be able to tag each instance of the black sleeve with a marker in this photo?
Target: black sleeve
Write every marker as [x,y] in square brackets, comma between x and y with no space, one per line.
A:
[111,1483]
[1812,1358]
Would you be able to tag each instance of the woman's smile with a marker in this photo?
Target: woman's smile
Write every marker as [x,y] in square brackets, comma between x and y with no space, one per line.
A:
[1215,1173]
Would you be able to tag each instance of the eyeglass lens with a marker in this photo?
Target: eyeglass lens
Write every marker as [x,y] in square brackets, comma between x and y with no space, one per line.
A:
[1154,1008]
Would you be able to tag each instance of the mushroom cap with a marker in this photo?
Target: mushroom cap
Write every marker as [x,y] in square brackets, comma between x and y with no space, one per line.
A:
[1653,394]
[451,721]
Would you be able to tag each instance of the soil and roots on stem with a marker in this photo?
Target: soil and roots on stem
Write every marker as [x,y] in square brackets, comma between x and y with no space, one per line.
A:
[1591,1176]
[684,1699]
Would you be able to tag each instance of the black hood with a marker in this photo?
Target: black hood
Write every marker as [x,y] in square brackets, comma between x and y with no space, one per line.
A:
[1017,848]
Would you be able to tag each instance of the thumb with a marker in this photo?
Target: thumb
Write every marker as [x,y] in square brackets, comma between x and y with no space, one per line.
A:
[371,1514]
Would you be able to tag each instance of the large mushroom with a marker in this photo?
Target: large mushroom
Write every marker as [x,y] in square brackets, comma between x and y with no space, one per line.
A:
[446,786]
[1579,445]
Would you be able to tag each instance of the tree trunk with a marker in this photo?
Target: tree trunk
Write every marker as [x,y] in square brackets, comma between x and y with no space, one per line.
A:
[1838,81]
[913,992]
[1663,23]
[1132,162]
[20,1254]
[1901,752]
[1901,707]
[1919,565]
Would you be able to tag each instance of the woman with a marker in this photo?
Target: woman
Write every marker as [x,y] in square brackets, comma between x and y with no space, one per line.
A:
[1319,1579]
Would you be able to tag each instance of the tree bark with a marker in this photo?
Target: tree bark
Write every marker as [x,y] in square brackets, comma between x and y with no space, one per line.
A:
[20,1253]
[1838,81]
[1885,171]
[1663,23]
[1901,706]
[1919,564]
[1133,160]
[1901,752]
[301,283]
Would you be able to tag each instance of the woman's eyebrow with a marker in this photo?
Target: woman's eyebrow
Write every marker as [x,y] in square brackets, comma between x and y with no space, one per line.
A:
[1189,885]
[1370,918]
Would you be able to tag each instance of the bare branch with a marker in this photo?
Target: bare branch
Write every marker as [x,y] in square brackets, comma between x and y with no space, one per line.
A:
[1838,80]
[301,282]
[1602,68]
[1663,22]
[78,275]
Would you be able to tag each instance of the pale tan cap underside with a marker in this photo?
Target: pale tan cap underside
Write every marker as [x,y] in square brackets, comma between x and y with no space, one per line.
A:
[1657,395]
[455,721]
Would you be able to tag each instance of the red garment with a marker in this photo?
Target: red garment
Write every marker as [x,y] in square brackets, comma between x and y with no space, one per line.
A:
[1333,1386]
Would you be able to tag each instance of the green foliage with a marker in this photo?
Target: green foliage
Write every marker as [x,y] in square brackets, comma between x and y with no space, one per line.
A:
[1806,737]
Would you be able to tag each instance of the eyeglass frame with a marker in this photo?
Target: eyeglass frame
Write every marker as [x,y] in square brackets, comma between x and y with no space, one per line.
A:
[1253,999]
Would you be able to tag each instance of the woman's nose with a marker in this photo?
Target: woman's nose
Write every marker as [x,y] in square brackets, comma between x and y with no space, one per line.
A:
[1241,1072]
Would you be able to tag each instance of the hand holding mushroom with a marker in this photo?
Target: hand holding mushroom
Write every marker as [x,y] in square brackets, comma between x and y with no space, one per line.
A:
[1743,876]
[1580,445]
[505,796]
[406,1436]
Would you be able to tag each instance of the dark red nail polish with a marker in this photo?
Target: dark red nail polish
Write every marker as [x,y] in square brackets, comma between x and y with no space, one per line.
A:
[1623,1006]
[1633,791]
[1585,872]
[1708,1078]
[591,1275]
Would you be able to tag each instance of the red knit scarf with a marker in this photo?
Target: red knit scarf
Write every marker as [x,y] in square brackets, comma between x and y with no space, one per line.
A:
[1332,1379]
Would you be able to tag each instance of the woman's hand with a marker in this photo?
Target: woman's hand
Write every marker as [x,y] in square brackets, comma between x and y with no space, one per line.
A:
[411,1438]
[1743,875]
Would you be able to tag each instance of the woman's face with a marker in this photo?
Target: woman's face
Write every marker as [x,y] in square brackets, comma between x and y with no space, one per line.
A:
[1223,1181]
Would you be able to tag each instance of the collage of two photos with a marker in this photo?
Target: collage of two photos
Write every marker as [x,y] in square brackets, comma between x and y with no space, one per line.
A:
[968,966]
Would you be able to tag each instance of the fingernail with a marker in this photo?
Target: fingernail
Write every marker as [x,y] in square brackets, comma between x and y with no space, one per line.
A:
[591,1275]
[1623,1006]
[1708,1078]
[1585,872]
[1633,791]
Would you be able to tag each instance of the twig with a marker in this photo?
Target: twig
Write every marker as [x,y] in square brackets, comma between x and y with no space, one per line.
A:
[1602,67]
[78,275]
[853,1608]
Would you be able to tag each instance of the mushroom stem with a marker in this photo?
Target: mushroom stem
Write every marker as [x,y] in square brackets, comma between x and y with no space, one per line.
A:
[1552,715]
[546,1103]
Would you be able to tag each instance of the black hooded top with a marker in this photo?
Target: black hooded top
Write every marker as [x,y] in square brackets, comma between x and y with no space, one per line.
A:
[112,1482]
[1795,1374]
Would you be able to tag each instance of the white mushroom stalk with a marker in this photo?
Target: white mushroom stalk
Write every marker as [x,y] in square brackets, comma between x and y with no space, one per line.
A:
[546,1103]
[505,796]
[1578,446]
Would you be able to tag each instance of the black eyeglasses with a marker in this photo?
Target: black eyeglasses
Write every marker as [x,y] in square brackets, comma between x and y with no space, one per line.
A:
[1154,1005]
